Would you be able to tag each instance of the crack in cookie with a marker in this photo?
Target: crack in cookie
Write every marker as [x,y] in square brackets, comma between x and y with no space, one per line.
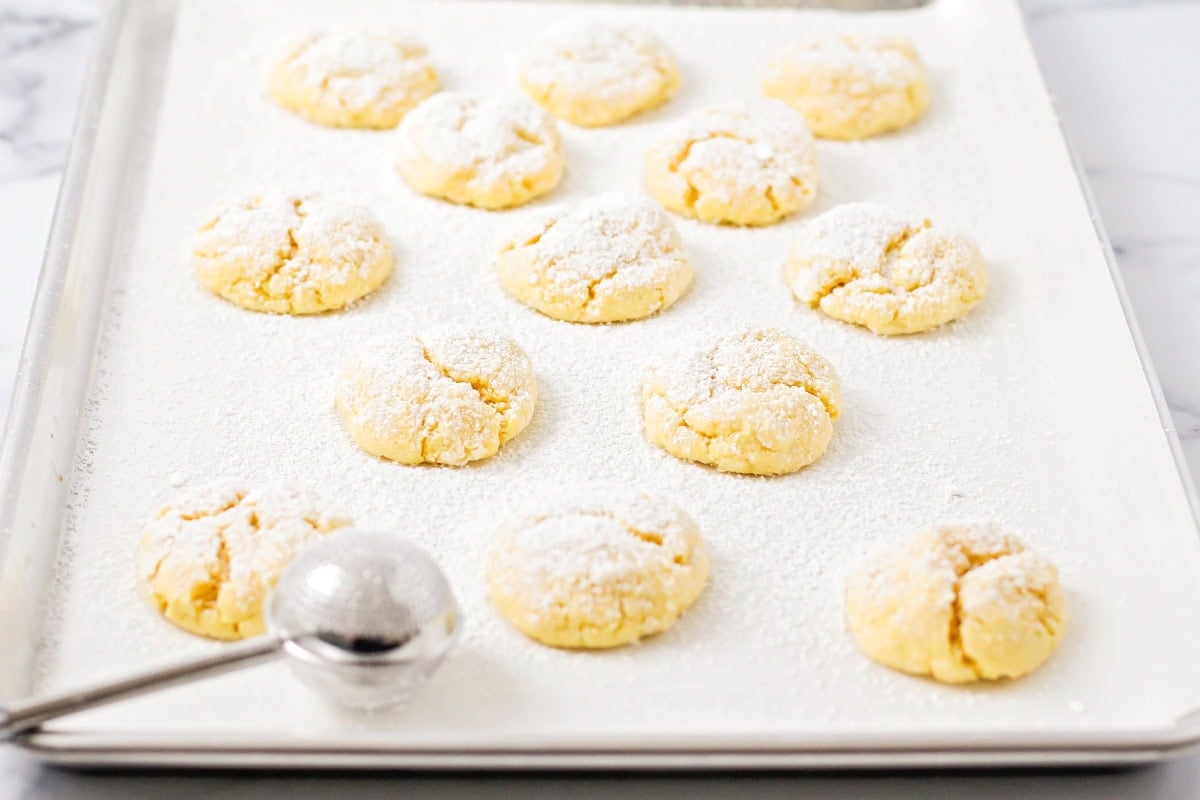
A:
[747,164]
[449,396]
[757,402]
[611,259]
[595,566]
[869,265]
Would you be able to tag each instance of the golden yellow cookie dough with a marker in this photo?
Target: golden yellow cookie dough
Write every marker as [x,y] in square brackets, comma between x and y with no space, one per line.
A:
[596,566]
[873,266]
[211,556]
[451,395]
[960,603]
[752,163]
[598,74]
[757,401]
[291,254]
[610,259]
[352,79]
[485,151]
[851,87]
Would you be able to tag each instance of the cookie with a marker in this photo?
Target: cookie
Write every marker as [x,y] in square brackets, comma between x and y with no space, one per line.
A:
[356,79]
[489,152]
[610,259]
[892,273]
[451,395]
[752,163]
[291,254]
[596,566]
[958,603]
[757,401]
[211,556]
[598,74]
[851,87]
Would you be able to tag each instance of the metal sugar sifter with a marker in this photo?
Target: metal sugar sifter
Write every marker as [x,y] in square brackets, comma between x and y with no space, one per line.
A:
[363,617]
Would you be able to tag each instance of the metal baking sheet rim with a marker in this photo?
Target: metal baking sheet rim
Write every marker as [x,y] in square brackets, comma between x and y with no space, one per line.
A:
[874,750]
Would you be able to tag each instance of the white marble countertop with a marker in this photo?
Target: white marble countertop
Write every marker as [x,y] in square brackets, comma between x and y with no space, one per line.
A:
[1116,68]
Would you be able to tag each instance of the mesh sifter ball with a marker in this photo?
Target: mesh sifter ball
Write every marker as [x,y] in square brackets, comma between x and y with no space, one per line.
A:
[365,616]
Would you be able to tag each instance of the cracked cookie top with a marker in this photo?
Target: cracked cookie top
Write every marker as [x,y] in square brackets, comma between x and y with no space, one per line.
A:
[448,396]
[871,265]
[352,79]
[958,602]
[599,74]
[210,557]
[291,253]
[751,163]
[757,401]
[610,259]
[485,151]
[595,565]
[850,87]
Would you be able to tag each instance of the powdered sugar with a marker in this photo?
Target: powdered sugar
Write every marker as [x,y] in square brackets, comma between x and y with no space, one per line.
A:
[894,273]
[223,544]
[599,62]
[358,71]
[492,138]
[290,243]
[449,395]
[595,256]
[1012,413]
[861,65]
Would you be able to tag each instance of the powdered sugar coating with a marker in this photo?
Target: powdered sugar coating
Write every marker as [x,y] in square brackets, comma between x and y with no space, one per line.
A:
[291,253]
[490,151]
[960,602]
[596,565]
[850,87]
[450,395]
[751,163]
[616,257]
[893,273]
[212,555]
[757,401]
[355,79]
[598,74]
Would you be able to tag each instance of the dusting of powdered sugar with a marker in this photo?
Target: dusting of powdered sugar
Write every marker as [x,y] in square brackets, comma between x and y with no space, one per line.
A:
[753,148]
[358,70]
[290,243]
[598,62]
[1001,415]
[613,245]
[573,539]
[493,138]
[225,540]
[882,266]
[866,64]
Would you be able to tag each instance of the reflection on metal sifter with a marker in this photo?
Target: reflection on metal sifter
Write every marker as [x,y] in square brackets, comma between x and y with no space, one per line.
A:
[364,618]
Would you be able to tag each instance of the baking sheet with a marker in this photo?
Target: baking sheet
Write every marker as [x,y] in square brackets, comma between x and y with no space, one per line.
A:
[1033,411]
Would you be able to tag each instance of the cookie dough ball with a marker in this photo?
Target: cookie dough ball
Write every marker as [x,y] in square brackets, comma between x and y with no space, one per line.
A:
[851,87]
[211,557]
[489,152]
[959,603]
[748,164]
[868,264]
[596,566]
[449,396]
[291,254]
[611,259]
[757,402]
[597,74]
[352,79]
